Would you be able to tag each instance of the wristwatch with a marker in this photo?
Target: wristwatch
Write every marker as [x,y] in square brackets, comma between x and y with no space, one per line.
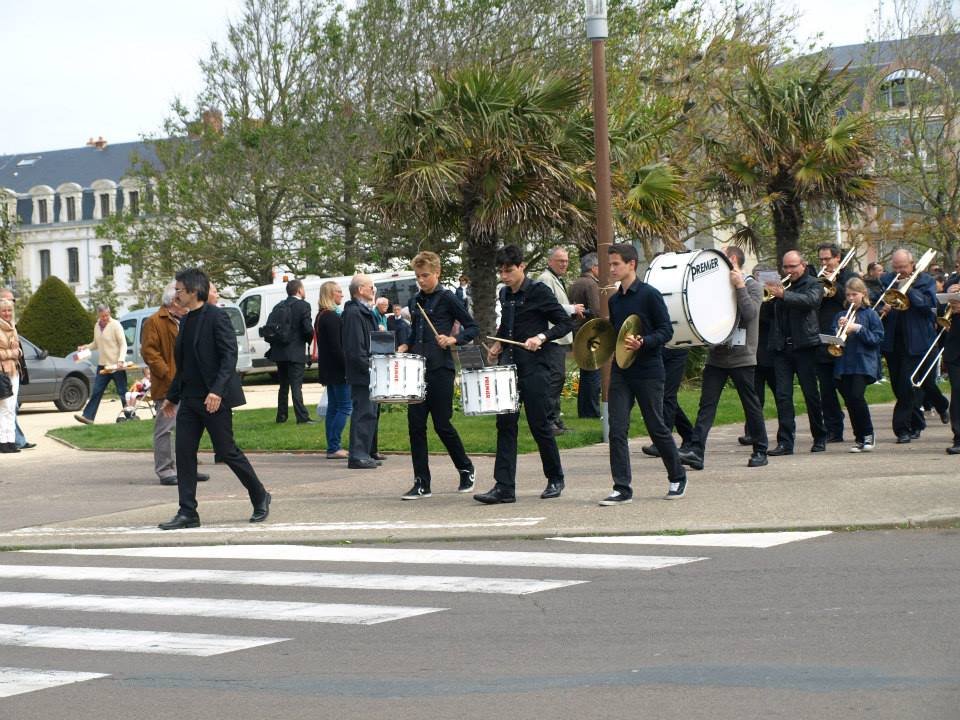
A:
[542,337]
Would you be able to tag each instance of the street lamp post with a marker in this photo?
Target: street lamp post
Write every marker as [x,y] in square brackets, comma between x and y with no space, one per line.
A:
[596,14]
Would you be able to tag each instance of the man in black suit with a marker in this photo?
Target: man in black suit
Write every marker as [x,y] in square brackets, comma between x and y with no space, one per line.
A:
[206,387]
[951,358]
[291,356]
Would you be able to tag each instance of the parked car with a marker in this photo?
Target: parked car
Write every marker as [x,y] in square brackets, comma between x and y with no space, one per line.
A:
[132,324]
[62,380]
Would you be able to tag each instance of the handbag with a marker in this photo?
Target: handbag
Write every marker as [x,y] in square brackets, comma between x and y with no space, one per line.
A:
[6,386]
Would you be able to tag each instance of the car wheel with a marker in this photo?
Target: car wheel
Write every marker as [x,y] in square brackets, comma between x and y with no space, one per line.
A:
[73,395]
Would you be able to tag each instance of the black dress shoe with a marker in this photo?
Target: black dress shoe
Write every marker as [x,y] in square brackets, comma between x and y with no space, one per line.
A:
[944,417]
[379,456]
[650,450]
[835,439]
[915,434]
[202,477]
[28,446]
[691,458]
[903,439]
[780,450]
[261,511]
[955,450]
[171,480]
[362,464]
[819,447]
[495,496]
[552,490]
[180,521]
[281,420]
[745,440]
[758,459]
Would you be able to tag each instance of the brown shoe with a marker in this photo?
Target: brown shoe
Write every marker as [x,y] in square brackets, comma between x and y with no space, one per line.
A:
[338,455]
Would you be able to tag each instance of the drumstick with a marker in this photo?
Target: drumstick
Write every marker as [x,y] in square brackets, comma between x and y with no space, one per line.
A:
[504,340]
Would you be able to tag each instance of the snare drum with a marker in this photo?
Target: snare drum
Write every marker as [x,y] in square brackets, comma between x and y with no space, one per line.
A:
[398,378]
[490,390]
[701,302]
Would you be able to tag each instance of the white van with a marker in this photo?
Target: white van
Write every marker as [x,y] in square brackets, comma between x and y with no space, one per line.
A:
[132,324]
[256,304]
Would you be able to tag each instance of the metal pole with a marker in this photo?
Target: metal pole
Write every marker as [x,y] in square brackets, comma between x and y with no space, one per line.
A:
[604,209]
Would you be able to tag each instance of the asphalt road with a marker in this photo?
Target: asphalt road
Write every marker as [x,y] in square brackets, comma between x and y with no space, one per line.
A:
[844,625]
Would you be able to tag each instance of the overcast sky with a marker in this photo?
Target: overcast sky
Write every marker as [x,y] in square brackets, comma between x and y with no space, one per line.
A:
[74,70]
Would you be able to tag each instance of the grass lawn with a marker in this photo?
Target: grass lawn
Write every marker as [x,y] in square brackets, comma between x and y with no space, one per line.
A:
[256,430]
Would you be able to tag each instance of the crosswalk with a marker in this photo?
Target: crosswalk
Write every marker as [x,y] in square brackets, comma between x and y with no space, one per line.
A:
[175,602]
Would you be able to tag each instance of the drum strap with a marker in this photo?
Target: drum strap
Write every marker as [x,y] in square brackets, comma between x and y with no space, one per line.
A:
[428,302]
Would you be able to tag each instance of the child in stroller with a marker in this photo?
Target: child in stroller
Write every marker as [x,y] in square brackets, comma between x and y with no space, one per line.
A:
[135,397]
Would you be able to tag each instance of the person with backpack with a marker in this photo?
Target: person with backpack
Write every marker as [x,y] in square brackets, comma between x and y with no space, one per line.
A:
[288,330]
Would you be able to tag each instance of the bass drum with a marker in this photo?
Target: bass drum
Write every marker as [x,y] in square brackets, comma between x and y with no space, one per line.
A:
[700,299]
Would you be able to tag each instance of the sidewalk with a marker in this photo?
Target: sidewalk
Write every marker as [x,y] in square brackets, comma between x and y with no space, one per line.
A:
[66,497]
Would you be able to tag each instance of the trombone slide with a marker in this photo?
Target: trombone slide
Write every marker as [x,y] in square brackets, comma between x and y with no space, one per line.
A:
[934,363]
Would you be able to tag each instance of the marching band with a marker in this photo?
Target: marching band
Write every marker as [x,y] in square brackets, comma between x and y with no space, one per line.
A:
[829,329]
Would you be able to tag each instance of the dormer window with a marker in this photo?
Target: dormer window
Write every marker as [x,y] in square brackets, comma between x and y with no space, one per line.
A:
[42,197]
[71,197]
[105,199]
[905,87]
[43,215]
[71,209]
[134,202]
[104,205]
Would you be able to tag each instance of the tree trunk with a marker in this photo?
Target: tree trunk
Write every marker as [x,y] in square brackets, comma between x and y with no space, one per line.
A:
[349,233]
[482,271]
[787,215]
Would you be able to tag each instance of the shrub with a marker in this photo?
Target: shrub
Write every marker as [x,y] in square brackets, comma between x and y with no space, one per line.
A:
[54,319]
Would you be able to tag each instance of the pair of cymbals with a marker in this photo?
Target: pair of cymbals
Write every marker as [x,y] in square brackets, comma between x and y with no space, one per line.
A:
[596,341]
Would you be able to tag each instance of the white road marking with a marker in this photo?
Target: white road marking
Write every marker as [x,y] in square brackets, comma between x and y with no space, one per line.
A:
[732,540]
[311,553]
[135,641]
[16,681]
[276,527]
[216,607]
[424,583]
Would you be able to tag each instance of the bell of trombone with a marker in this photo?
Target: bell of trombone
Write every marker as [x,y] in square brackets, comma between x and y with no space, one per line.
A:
[786,282]
[897,299]
[829,279]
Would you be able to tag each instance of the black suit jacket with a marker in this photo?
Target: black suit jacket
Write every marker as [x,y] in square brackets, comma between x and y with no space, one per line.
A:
[951,343]
[302,325]
[215,352]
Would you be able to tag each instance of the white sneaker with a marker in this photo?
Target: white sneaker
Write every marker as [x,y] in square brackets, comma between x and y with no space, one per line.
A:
[858,448]
[868,443]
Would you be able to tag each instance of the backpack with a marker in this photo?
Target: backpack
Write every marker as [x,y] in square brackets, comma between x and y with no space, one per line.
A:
[278,329]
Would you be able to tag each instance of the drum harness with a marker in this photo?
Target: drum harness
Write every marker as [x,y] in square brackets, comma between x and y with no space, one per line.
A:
[427,308]
[509,318]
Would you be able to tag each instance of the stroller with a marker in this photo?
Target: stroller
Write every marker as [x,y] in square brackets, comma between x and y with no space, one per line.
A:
[136,399]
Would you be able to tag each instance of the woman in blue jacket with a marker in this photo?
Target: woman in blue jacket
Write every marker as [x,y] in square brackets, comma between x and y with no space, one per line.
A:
[859,365]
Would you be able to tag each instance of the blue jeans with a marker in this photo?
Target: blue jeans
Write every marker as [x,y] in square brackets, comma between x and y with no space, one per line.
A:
[19,438]
[339,407]
[99,385]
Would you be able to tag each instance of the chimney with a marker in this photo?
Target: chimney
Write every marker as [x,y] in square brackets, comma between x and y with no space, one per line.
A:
[99,143]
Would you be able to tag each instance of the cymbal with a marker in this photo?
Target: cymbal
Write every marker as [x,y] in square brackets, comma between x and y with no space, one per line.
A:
[593,344]
[631,326]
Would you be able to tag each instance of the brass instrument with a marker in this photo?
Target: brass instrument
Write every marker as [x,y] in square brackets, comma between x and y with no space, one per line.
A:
[944,323]
[896,279]
[829,280]
[786,282]
[897,299]
[837,349]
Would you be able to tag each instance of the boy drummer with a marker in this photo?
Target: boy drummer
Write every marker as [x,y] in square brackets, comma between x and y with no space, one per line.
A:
[442,308]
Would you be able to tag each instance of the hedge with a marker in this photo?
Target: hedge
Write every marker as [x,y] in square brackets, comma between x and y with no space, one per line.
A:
[54,319]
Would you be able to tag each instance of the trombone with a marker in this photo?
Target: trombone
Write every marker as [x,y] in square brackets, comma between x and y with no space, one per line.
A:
[836,349]
[896,279]
[944,323]
[829,279]
[897,299]
[785,281]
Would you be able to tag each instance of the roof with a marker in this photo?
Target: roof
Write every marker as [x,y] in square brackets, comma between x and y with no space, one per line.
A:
[81,165]
[942,50]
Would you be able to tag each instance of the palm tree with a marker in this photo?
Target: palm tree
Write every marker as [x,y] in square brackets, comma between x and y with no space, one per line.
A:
[792,144]
[497,155]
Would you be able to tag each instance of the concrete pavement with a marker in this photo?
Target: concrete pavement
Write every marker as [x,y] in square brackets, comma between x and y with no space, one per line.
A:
[65,497]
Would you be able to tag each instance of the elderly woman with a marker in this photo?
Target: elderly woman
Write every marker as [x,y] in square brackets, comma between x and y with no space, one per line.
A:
[10,358]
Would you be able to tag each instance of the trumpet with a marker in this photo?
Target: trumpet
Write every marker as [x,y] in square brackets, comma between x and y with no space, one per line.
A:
[837,349]
[829,279]
[897,299]
[944,322]
[785,281]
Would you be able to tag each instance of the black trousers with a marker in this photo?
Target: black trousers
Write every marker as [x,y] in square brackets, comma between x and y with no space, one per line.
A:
[953,371]
[853,388]
[907,414]
[558,377]
[714,380]
[192,420]
[588,395]
[763,377]
[438,403]
[290,375]
[648,394]
[674,366]
[802,363]
[363,424]
[833,416]
[534,386]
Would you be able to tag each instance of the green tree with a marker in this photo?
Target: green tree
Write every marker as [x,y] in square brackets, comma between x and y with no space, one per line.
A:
[54,319]
[103,292]
[495,156]
[10,242]
[792,145]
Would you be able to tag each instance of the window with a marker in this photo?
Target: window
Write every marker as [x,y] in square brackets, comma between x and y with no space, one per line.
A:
[130,332]
[906,87]
[73,265]
[106,260]
[43,215]
[250,307]
[44,265]
[71,209]
[134,202]
[104,205]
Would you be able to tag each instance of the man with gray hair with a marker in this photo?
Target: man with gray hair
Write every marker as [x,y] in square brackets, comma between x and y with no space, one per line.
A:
[357,322]
[585,290]
[109,339]
[553,277]
[158,339]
